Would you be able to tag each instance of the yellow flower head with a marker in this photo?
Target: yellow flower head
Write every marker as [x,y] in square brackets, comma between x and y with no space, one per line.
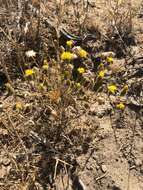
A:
[109,60]
[66,55]
[81,70]
[19,106]
[112,89]
[41,86]
[101,74]
[78,85]
[45,62]
[69,43]
[45,67]
[29,72]
[83,53]
[120,106]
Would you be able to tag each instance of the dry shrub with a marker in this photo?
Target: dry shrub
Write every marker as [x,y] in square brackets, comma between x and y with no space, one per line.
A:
[120,30]
[36,120]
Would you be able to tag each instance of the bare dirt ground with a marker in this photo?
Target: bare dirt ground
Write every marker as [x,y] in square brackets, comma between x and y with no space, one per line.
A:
[101,147]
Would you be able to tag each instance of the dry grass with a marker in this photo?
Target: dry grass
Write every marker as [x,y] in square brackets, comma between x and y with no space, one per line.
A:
[37,137]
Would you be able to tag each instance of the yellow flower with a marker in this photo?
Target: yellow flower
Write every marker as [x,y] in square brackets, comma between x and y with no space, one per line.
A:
[19,106]
[78,85]
[30,53]
[101,74]
[112,89]
[81,70]
[41,86]
[29,72]
[66,73]
[120,2]
[69,43]
[120,106]
[45,67]
[83,53]
[45,62]
[109,60]
[66,55]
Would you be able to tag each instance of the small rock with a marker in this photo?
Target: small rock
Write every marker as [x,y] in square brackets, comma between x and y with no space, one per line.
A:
[116,188]
[86,105]
[101,100]
[97,167]
[95,157]
[93,109]
[104,168]
[138,162]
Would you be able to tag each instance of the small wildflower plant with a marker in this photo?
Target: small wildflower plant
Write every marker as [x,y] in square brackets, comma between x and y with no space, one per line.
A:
[112,89]
[81,70]
[109,60]
[101,74]
[82,53]
[29,72]
[69,43]
[67,56]
[120,106]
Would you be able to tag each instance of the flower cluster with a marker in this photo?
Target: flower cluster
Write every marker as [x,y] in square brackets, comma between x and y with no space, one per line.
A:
[67,56]
[29,72]
[120,106]
[81,70]
[69,43]
[101,74]
[112,89]
[82,53]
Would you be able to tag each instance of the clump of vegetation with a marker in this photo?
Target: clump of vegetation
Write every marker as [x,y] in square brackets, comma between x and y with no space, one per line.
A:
[45,77]
[120,32]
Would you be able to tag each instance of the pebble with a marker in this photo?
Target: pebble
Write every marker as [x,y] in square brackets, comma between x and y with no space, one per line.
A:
[101,100]
[116,188]
[138,162]
[104,168]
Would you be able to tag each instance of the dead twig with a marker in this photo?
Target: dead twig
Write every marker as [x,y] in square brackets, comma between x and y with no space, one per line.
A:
[101,177]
